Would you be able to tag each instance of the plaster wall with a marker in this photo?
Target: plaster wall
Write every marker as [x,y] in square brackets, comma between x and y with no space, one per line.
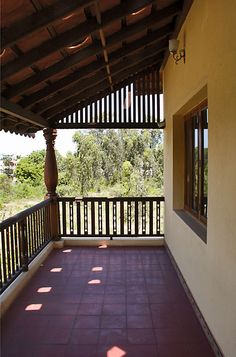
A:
[208,35]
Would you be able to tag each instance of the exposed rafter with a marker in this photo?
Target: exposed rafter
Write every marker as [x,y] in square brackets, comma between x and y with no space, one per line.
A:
[94,49]
[17,111]
[55,83]
[99,77]
[40,19]
[123,75]
[114,57]
[69,37]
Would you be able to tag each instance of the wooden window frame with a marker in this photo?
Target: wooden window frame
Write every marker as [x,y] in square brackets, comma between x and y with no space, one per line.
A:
[189,169]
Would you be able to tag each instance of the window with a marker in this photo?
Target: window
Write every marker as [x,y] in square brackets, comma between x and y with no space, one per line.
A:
[196,162]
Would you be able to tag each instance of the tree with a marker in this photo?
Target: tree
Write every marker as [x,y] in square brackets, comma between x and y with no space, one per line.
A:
[8,165]
[30,168]
[89,157]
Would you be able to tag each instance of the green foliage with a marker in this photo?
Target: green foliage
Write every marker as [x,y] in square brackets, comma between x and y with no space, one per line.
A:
[30,168]
[126,158]
[106,163]
[8,165]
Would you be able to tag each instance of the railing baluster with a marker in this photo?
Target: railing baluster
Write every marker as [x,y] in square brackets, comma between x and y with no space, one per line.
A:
[143,217]
[129,218]
[151,217]
[158,217]
[136,218]
[114,216]
[78,219]
[85,217]
[21,239]
[100,218]
[12,250]
[4,257]
[92,218]
[23,244]
[122,218]
[107,218]
[71,218]
[8,251]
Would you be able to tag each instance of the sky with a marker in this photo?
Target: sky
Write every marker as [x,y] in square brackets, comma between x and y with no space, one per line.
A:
[21,145]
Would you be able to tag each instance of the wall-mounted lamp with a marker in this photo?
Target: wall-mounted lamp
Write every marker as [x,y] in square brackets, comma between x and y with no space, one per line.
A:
[176,54]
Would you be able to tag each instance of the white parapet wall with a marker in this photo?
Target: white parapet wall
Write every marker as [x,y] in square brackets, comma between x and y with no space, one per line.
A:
[116,242]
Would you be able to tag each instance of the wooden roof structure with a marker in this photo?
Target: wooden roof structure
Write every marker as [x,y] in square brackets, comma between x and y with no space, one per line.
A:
[58,56]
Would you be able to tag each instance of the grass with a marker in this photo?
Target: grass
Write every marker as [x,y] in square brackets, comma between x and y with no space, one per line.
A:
[11,208]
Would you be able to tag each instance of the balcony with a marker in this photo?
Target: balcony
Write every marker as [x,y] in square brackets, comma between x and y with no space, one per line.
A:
[95,301]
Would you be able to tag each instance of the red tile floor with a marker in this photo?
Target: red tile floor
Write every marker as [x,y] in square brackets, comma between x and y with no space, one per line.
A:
[110,302]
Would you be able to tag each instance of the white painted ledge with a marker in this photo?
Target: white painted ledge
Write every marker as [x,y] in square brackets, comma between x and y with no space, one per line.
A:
[116,242]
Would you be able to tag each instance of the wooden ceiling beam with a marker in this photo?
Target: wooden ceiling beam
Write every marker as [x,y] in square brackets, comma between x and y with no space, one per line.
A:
[94,49]
[99,77]
[17,111]
[69,80]
[103,41]
[39,20]
[101,86]
[94,67]
[69,37]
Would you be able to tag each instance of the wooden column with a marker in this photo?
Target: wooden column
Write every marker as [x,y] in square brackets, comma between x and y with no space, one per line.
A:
[51,179]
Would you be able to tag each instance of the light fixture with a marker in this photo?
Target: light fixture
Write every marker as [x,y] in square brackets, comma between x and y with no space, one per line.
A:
[176,54]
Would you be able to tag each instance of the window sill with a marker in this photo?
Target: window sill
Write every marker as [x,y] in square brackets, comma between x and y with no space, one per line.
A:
[199,228]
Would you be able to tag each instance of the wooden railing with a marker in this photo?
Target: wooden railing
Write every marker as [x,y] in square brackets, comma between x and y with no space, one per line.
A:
[22,237]
[111,217]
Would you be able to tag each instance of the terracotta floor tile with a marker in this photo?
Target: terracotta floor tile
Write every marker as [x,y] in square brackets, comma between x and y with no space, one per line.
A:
[91,298]
[200,349]
[80,351]
[138,309]
[111,321]
[139,321]
[114,298]
[142,351]
[56,336]
[84,336]
[134,305]
[87,322]
[114,309]
[62,321]
[111,350]
[137,298]
[170,335]
[113,336]
[48,351]
[59,308]
[173,350]
[90,309]
[141,336]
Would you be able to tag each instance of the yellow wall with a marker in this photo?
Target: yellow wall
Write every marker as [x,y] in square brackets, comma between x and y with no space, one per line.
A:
[209,33]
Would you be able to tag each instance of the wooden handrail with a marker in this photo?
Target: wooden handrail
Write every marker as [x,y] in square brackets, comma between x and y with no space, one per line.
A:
[23,214]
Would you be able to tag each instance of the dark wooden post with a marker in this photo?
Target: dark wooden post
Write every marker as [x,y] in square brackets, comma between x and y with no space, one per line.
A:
[51,179]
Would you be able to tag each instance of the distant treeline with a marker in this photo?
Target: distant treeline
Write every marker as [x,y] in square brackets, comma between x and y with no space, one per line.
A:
[105,162]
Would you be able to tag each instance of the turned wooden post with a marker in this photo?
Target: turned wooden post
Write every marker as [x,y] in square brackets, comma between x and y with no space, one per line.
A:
[51,179]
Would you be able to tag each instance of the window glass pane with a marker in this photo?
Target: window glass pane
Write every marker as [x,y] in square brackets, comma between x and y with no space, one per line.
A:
[204,115]
[195,163]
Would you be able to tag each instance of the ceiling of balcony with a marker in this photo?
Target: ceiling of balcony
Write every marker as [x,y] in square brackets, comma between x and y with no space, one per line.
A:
[57,54]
